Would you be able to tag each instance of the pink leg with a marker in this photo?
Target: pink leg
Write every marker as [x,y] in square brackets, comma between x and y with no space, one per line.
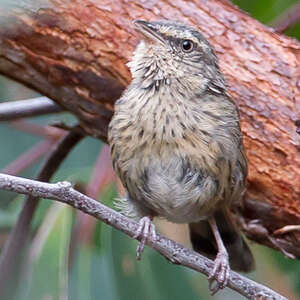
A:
[145,231]
[220,271]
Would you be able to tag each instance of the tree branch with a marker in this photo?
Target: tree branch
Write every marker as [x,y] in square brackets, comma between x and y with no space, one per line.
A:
[176,253]
[83,46]
[27,108]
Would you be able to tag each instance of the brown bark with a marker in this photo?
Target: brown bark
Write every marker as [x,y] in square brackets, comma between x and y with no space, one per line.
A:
[75,53]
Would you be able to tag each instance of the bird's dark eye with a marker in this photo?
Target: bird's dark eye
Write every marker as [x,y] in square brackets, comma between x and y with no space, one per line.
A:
[187,45]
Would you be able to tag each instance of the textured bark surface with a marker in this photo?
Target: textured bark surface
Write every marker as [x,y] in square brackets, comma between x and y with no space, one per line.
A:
[75,53]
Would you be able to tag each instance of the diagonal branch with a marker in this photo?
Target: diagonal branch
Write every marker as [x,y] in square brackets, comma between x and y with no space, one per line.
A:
[12,110]
[75,52]
[176,253]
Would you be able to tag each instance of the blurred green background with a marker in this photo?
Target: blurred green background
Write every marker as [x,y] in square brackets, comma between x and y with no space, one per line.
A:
[73,257]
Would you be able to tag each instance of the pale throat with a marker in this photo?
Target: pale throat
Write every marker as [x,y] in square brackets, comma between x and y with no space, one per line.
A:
[154,62]
[164,108]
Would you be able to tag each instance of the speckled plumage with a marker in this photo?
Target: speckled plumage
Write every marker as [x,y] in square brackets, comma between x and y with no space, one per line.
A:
[175,137]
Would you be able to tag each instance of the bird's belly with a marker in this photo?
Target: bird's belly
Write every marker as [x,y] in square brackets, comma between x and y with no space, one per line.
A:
[179,207]
[176,192]
[189,210]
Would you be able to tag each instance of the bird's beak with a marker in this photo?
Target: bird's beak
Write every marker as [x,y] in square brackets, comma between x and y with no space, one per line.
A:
[148,30]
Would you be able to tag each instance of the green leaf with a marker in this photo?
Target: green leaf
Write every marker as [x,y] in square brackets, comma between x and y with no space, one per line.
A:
[45,272]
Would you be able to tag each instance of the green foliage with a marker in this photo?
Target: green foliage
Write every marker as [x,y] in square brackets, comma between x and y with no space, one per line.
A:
[267,11]
[46,268]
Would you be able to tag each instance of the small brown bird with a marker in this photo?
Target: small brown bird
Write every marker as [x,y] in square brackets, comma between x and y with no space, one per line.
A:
[177,147]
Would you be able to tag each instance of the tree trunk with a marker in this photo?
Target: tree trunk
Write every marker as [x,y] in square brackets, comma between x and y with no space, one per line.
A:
[75,53]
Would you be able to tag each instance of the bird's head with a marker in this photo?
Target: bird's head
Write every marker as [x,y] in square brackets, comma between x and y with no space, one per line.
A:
[171,50]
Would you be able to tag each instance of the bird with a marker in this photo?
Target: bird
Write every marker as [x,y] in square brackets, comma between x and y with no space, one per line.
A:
[177,146]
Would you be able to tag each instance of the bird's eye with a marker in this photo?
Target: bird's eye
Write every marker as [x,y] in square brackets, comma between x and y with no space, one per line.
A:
[187,45]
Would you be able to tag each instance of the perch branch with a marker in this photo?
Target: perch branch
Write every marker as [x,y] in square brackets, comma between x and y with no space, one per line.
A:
[75,52]
[174,252]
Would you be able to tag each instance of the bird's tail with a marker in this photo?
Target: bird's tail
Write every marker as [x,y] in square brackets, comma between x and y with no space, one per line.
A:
[203,241]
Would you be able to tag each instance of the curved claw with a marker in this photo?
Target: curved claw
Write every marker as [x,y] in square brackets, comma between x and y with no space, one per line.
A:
[220,273]
[145,231]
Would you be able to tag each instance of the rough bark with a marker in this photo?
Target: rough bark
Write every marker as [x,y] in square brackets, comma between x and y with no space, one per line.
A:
[75,53]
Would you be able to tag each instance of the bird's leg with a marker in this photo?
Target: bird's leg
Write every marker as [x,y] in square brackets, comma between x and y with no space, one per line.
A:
[145,231]
[220,271]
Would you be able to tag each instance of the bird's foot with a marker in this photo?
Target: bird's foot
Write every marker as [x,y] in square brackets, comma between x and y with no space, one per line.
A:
[145,231]
[220,273]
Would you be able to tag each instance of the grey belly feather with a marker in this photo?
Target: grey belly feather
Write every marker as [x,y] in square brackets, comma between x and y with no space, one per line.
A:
[174,190]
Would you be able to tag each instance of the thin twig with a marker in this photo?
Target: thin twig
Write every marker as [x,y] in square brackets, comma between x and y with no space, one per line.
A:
[176,253]
[13,110]
[10,255]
